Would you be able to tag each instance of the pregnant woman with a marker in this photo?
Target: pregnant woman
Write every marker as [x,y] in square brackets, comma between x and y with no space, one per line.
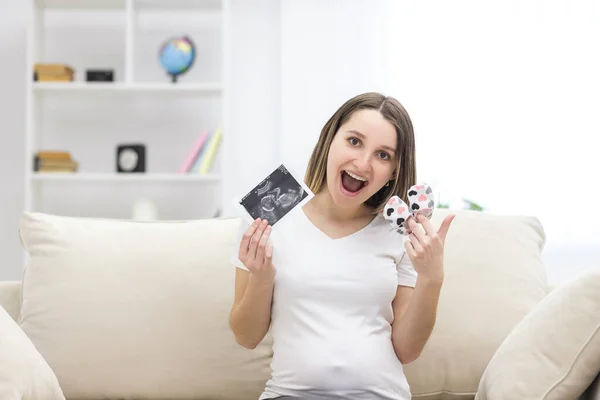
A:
[348,299]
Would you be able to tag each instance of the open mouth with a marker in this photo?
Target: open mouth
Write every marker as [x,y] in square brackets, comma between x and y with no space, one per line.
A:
[352,183]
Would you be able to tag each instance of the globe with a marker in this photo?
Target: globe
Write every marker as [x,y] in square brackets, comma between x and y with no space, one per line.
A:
[177,56]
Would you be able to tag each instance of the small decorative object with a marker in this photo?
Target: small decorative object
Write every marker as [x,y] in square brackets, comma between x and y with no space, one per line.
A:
[99,75]
[145,210]
[131,158]
[177,55]
[421,201]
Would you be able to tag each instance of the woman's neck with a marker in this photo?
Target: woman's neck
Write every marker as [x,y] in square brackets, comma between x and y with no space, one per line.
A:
[323,203]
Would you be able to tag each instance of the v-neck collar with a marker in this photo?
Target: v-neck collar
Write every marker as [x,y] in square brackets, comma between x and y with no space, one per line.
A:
[312,226]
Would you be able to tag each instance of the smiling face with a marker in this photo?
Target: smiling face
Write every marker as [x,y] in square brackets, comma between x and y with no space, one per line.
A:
[361,159]
[371,137]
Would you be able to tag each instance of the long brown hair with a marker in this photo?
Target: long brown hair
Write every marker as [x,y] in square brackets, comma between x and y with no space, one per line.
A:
[405,171]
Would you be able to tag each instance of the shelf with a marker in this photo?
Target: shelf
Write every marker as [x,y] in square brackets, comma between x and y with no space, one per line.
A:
[206,5]
[138,4]
[135,28]
[81,4]
[116,87]
[118,177]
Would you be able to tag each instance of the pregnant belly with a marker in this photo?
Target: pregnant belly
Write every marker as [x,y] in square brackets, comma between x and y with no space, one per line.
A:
[364,364]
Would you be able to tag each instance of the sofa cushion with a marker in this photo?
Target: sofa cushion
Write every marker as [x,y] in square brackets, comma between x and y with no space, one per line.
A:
[24,374]
[10,297]
[493,277]
[126,309]
[554,352]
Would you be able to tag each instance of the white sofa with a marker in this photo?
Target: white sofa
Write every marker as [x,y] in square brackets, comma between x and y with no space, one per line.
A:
[111,309]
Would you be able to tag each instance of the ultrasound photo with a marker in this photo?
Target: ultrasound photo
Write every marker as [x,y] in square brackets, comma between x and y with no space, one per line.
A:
[275,196]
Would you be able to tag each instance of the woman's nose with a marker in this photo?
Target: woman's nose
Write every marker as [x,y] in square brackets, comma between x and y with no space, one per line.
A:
[363,163]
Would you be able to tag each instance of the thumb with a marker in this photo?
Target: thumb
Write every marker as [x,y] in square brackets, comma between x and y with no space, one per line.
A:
[445,226]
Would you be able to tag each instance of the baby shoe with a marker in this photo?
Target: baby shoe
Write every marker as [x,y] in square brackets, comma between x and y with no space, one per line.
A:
[421,201]
[397,212]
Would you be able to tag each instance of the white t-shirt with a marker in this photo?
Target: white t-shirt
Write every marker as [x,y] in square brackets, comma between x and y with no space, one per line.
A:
[332,311]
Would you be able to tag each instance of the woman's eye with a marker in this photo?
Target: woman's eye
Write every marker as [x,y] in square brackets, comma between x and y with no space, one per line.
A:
[384,155]
[354,141]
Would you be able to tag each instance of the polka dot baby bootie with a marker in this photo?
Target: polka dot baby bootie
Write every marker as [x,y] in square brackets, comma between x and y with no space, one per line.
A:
[398,212]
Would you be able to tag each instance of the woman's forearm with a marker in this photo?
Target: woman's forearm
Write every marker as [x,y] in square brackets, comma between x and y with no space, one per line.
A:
[250,319]
[412,330]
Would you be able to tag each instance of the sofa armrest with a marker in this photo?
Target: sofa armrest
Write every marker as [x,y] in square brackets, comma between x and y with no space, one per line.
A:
[10,297]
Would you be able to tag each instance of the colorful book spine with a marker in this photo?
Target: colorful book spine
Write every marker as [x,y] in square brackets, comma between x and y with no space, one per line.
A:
[209,154]
[193,154]
[196,167]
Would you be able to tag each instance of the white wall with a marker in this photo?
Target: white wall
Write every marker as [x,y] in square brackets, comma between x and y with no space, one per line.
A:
[12,100]
[253,70]
[504,97]
[301,64]
[331,51]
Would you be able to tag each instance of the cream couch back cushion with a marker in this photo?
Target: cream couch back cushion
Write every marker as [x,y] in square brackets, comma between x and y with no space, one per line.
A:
[493,277]
[123,309]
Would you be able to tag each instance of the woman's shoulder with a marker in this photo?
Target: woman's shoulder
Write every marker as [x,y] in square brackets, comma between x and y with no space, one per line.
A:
[388,241]
[382,231]
[382,225]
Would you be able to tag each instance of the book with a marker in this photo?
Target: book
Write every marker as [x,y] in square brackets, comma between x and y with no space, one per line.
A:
[192,156]
[209,154]
[44,72]
[54,161]
[196,167]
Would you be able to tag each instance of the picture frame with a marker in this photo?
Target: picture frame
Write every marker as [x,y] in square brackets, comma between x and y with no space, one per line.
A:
[278,193]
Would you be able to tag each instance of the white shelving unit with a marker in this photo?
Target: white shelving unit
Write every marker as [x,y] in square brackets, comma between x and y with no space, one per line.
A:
[128,84]
[122,178]
[95,88]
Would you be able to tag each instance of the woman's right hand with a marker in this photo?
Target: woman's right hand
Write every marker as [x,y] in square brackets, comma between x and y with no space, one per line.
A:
[255,251]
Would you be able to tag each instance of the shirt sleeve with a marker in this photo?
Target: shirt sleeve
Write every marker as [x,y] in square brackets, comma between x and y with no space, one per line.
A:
[407,276]
[233,259]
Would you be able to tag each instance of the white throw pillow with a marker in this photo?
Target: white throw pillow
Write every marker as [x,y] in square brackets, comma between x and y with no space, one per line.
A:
[494,276]
[554,352]
[127,309]
[24,374]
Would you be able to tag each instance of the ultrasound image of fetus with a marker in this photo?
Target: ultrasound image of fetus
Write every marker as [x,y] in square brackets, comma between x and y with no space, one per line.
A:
[274,204]
[274,197]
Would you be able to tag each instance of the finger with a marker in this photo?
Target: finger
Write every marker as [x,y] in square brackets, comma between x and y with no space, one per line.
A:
[419,236]
[410,250]
[415,243]
[269,255]
[254,241]
[245,242]
[262,245]
[423,220]
[445,226]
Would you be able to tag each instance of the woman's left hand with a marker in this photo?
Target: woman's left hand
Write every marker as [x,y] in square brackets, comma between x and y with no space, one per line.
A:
[426,249]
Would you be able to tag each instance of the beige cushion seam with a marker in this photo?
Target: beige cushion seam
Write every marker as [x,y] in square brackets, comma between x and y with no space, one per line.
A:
[571,365]
[442,392]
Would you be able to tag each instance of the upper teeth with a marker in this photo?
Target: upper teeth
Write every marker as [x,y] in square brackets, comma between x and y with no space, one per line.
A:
[360,178]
